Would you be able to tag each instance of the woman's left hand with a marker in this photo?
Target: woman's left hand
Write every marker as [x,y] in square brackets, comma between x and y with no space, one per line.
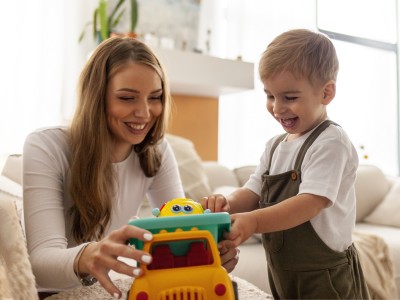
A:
[229,254]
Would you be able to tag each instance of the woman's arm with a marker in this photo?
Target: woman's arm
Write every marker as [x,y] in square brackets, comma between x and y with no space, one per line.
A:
[44,166]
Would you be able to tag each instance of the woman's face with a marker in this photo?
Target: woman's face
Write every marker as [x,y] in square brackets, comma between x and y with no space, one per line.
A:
[133,105]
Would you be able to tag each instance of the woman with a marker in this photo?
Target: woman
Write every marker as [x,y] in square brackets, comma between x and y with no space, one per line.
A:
[83,183]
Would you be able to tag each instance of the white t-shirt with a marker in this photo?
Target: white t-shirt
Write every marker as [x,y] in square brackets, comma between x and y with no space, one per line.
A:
[51,246]
[329,170]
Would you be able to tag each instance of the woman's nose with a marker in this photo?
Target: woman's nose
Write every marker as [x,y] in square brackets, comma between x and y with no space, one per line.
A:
[142,110]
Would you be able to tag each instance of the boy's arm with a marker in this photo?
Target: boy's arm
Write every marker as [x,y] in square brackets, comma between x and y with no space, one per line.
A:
[284,215]
[289,213]
[242,200]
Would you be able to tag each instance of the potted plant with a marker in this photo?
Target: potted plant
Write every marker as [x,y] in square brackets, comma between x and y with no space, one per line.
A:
[103,24]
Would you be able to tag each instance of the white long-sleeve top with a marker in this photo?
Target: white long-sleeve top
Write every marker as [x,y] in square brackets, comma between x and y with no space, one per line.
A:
[46,172]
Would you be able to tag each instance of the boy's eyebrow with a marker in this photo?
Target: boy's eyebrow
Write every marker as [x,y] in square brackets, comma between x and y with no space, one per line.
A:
[285,92]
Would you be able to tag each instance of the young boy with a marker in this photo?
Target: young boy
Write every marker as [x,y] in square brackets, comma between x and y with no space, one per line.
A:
[301,196]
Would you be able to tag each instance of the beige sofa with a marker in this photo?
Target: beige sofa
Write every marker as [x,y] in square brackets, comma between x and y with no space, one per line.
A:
[378,213]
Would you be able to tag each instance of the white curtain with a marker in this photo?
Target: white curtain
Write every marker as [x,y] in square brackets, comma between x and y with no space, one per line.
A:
[40,60]
[244,28]
[367,81]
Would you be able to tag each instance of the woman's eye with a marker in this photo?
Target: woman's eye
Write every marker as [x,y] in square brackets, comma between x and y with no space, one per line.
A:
[155,97]
[126,98]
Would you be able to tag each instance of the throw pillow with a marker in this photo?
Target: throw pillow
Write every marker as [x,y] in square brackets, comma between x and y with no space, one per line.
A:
[13,168]
[388,211]
[243,173]
[371,187]
[194,179]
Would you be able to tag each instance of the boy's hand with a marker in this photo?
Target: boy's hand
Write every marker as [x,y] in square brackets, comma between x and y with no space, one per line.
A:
[244,225]
[216,203]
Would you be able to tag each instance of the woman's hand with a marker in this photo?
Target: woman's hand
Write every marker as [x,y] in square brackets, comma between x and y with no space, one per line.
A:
[229,254]
[100,257]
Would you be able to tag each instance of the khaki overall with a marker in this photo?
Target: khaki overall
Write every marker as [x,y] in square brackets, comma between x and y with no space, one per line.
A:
[300,264]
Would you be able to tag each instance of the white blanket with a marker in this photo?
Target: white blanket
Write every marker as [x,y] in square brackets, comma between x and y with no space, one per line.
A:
[376,264]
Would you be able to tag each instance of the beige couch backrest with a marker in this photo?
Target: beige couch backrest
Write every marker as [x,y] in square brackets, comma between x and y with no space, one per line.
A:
[371,186]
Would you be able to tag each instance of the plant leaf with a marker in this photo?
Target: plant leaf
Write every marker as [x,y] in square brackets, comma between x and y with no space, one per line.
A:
[82,35]
[117,19]
[134,15]
[103,19]
[111,22]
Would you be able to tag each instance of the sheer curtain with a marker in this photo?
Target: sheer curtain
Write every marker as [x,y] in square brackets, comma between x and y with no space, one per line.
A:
[244,28]
[366,101]
[40,59]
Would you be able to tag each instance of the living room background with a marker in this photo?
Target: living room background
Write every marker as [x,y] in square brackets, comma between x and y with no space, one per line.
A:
[41,59]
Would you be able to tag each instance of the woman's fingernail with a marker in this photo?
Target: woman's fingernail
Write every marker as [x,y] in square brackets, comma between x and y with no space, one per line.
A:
[146,259]
[116,295]
[148,236]
[136,272]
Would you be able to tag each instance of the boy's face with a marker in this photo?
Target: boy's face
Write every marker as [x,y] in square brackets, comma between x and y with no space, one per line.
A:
[296,104]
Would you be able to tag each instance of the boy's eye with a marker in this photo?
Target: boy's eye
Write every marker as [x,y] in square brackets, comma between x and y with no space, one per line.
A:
[290,98]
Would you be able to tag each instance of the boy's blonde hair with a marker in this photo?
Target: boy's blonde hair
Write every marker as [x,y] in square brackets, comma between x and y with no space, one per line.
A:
[302,52]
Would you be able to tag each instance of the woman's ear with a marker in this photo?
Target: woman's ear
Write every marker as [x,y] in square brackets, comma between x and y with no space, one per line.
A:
[329,92]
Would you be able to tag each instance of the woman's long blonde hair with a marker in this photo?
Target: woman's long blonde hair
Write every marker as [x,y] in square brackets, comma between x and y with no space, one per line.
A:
[93,181]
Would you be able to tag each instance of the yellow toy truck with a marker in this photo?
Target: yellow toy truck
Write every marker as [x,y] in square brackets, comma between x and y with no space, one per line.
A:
[186,262]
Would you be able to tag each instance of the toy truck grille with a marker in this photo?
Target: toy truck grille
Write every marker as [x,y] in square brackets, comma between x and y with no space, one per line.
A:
[183,293]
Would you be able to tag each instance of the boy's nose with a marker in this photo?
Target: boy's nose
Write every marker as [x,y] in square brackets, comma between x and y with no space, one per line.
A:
[278,108]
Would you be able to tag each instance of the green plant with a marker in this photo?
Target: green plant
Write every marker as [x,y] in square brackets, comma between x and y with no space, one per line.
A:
[103,23]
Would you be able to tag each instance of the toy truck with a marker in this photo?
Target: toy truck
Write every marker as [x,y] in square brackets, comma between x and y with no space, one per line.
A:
[186,262]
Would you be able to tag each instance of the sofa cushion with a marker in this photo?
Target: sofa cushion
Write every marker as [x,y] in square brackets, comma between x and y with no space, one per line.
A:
[243,173]
[371,187]
[219,176]
[193,176]
[13,168]
[388,211]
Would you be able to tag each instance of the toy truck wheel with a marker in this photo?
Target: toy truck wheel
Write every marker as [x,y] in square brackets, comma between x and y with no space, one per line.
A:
[235,289]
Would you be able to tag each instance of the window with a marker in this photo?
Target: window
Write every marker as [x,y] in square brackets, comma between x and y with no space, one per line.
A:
[366,104]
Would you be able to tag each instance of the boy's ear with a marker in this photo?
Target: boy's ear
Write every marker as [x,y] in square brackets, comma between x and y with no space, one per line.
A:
[329,92]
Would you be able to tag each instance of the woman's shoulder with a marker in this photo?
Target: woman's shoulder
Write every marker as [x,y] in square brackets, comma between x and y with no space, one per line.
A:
[54,132]
[51,139]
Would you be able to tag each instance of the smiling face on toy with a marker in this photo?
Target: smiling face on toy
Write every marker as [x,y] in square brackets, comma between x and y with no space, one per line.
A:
[179,206]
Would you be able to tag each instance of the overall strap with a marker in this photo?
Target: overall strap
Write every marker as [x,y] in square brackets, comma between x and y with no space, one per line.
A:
[276,143]
[308,142]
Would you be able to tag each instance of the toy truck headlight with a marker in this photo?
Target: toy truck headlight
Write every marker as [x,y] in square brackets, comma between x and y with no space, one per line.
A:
[142,296]
[220,289]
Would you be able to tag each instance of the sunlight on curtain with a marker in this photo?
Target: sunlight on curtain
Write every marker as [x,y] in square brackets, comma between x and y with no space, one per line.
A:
[366,81]
[366,101]
[40,58]
[244,123]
